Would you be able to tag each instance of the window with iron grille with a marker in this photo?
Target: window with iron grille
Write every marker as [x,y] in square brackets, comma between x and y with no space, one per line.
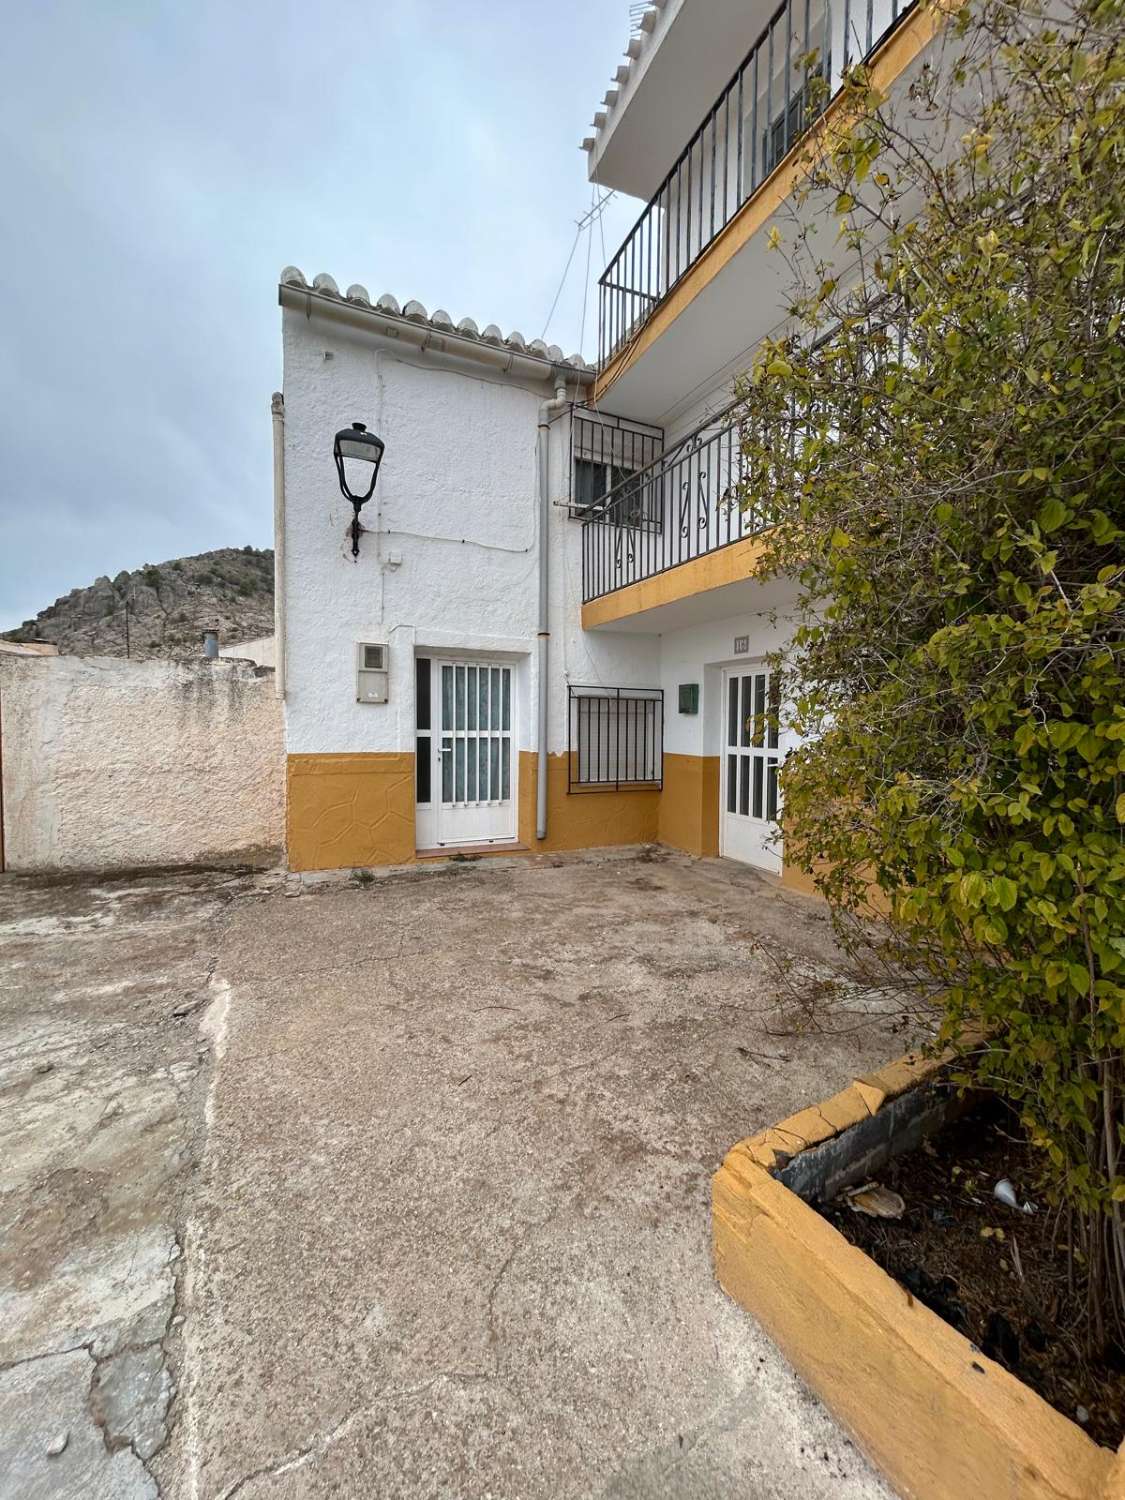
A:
[791,122]
[605,452]
[615,739]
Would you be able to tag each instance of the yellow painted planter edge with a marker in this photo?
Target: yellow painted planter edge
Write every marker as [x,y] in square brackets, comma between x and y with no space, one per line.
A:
[939,1419]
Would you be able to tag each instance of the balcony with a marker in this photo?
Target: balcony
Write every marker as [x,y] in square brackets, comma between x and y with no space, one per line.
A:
[680,509]
[757,119]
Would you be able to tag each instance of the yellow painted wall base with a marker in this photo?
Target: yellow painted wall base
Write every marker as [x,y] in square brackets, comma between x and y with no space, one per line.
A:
[354,811]
[357,810]
[940,1419]
[348,811]
[689,804]
[582,820]
[794,879]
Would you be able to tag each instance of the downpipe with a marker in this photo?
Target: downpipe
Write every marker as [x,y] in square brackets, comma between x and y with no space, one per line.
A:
[548,410]
[277,409]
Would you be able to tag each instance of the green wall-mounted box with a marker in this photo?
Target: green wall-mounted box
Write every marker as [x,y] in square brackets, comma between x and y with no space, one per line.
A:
[689,697]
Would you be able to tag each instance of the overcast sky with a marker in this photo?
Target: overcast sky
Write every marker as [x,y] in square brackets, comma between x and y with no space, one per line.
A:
[162,160]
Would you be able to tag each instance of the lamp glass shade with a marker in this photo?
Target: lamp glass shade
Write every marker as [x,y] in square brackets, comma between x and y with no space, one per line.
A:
[355,445]
[362,446]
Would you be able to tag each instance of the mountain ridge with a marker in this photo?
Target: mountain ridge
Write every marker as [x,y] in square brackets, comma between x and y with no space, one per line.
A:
[162,609]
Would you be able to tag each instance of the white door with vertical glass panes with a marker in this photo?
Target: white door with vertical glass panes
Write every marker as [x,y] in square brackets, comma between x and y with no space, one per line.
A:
[748,827]
[475,762]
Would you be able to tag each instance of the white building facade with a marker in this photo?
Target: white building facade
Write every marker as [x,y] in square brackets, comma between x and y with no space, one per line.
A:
[551,637]
[438,746]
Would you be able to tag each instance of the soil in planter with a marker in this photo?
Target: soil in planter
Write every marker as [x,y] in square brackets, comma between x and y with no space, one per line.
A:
[997,1275]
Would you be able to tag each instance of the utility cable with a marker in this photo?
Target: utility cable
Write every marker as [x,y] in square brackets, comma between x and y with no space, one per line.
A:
[562,282]
[586,282]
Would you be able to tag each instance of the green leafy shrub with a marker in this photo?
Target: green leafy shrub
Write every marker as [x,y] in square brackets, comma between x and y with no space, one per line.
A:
[941,435]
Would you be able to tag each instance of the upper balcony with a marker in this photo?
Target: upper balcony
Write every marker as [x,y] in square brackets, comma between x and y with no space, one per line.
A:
[680,59]
[703,210]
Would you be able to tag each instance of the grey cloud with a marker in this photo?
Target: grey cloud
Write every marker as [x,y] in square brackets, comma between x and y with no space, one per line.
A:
[164,161]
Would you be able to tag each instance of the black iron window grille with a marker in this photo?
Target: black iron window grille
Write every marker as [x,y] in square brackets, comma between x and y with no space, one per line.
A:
[606,452]
[796,66]
[615,739]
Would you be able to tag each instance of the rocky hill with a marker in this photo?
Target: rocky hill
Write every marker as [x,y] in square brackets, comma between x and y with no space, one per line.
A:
[163,608]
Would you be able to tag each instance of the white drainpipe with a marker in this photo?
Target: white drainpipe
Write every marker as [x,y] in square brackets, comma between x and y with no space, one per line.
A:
[547,410]
[277,406]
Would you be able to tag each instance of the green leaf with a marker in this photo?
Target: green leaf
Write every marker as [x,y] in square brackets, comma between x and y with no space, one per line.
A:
[1053,512]
[1003,892]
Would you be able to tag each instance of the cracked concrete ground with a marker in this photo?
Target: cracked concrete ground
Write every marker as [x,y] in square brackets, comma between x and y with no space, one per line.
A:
[416,1204]
[102,1079]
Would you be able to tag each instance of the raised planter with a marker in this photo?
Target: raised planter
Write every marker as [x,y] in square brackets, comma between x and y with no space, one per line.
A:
[941,1420]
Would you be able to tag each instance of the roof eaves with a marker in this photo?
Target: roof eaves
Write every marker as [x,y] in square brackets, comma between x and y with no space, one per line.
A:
[640,40]
[357,296]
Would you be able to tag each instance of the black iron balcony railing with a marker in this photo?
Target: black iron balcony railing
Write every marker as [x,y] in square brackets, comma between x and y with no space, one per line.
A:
[794,68]
[680,507]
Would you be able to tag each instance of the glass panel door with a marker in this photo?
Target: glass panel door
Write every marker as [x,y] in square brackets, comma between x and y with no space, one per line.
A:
[751,758]
[477,759]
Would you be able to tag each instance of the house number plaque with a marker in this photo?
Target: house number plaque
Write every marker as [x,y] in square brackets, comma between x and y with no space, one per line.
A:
[741,645]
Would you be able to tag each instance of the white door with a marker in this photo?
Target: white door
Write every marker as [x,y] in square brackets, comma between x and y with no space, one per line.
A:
[476,764]
[748,828]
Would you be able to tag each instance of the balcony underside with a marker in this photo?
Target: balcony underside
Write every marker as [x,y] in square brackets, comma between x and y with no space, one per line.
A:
[671,88]
[707,588]
[709,324]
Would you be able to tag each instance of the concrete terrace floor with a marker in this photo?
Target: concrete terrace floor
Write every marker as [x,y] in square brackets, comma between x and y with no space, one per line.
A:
[312,1188]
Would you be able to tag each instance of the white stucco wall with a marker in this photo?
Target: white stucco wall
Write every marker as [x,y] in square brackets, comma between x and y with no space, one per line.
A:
[113,764]
[29,648]
[449,562]
[450,559]
[699,654]
[261,650]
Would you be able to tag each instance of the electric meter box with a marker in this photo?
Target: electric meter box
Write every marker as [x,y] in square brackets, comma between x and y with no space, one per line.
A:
[372,666]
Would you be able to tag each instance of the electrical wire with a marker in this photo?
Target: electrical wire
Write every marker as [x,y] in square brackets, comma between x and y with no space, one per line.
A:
[562,282]
[586,282]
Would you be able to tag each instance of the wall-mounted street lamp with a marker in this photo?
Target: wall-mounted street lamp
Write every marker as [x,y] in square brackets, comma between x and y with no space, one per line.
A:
[354,447]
